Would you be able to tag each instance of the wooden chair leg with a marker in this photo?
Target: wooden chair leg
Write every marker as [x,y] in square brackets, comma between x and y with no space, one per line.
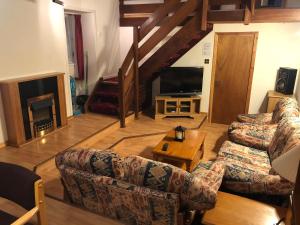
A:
[40,202]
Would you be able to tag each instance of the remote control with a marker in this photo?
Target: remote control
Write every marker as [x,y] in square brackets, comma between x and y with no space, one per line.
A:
[165,147]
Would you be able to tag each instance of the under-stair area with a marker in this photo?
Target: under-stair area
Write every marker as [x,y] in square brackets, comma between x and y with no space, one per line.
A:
[157,46]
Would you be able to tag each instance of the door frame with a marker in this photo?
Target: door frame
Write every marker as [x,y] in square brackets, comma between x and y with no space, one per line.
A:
[214,66]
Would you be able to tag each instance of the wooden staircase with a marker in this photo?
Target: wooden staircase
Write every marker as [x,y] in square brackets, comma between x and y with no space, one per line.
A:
[105,97]
[195,19]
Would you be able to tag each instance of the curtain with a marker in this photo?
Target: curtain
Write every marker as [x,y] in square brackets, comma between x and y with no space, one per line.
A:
[70,29]
[79,47]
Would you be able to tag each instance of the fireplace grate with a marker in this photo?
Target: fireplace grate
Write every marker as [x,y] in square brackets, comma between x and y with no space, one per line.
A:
[43,127]
[42,115]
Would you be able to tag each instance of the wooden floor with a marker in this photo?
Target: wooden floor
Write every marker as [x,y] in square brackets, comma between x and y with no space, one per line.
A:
[138,138]
[34,153]
[59,213]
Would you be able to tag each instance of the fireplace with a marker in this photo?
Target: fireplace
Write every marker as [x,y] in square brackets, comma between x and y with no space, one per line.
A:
[33,106]
[42,115]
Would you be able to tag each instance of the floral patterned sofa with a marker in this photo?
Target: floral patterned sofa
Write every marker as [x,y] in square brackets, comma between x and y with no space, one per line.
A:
[249,170]
[256,130]
[136,190]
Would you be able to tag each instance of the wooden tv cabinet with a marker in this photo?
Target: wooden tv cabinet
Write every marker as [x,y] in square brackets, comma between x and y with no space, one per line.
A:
[177,106]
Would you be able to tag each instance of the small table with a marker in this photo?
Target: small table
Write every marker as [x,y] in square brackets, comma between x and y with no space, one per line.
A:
[186,154]
[233,209]
[273,98]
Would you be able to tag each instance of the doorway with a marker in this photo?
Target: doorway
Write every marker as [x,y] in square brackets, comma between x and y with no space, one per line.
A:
[232,73]
[81,46]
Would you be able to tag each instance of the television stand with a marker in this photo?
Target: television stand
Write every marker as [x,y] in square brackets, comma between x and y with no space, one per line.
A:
[168,106]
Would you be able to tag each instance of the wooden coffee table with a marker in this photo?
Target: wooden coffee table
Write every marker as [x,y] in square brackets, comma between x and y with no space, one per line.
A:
[186,154]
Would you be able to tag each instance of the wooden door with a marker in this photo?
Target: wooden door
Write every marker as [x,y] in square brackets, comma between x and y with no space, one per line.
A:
[234,56]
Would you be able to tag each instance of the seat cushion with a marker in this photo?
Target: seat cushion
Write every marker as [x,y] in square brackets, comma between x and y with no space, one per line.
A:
[251,156]
[197,190]
[256,136]
[262,118]
[248,170]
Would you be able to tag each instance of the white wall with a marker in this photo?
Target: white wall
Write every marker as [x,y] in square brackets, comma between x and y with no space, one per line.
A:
[88,21]
[278,46]
[33,40]
[107,46]
[126,40]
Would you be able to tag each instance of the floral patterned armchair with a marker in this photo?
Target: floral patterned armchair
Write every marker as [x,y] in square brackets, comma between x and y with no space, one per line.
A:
[249,170]
[285,107]
[257,131]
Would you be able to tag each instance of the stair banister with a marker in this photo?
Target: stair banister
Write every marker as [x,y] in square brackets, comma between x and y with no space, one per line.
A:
[136,32]
[167,26]
[121,98]
[157,17]
[204,15]
[129,71]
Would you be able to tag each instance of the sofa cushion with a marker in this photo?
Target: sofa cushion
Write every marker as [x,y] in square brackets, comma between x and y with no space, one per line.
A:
[282,140]
[196,191]
[156,175]
[256,136]
[99,162]
[251,126]
[285,107]
[262,118]
[120,200]
[244,154]
[248,170]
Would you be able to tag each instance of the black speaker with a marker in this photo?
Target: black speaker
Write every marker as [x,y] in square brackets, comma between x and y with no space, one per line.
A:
[286,80]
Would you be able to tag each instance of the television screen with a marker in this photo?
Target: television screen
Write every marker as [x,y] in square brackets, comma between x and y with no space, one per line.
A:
[181,81]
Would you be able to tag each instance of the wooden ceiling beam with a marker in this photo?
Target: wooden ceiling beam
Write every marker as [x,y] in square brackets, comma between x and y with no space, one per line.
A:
[139,8]
[281,15]
[278,15]
[224,2]
[260,16]
[220,16]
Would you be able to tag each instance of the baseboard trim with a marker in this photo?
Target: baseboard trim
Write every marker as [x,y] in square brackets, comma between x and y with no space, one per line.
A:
[3,145]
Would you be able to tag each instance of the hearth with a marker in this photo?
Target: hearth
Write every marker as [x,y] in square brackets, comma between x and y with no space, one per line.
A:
[42,115]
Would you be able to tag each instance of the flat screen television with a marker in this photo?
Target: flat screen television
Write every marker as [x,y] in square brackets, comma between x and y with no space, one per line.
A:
[181,81]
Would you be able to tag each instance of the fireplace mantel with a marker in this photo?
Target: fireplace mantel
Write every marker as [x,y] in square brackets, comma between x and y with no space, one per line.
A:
[15,94]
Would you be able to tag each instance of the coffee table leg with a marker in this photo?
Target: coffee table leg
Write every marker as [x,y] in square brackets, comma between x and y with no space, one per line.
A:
[188,166]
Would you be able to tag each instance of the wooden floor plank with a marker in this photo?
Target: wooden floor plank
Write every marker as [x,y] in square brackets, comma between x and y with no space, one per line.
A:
[139,137]
[59,213]
[36,152]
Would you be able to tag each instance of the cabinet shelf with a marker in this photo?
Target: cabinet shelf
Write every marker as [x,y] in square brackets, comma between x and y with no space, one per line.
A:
[180,106]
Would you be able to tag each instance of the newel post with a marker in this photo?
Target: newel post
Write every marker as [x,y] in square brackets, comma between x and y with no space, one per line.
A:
[136,71]
[204,15]
[121,98]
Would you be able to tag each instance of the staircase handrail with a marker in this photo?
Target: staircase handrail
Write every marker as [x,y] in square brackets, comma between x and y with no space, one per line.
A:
[167,25]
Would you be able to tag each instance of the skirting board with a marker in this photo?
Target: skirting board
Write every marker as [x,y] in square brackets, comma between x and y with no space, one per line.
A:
[2,145]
